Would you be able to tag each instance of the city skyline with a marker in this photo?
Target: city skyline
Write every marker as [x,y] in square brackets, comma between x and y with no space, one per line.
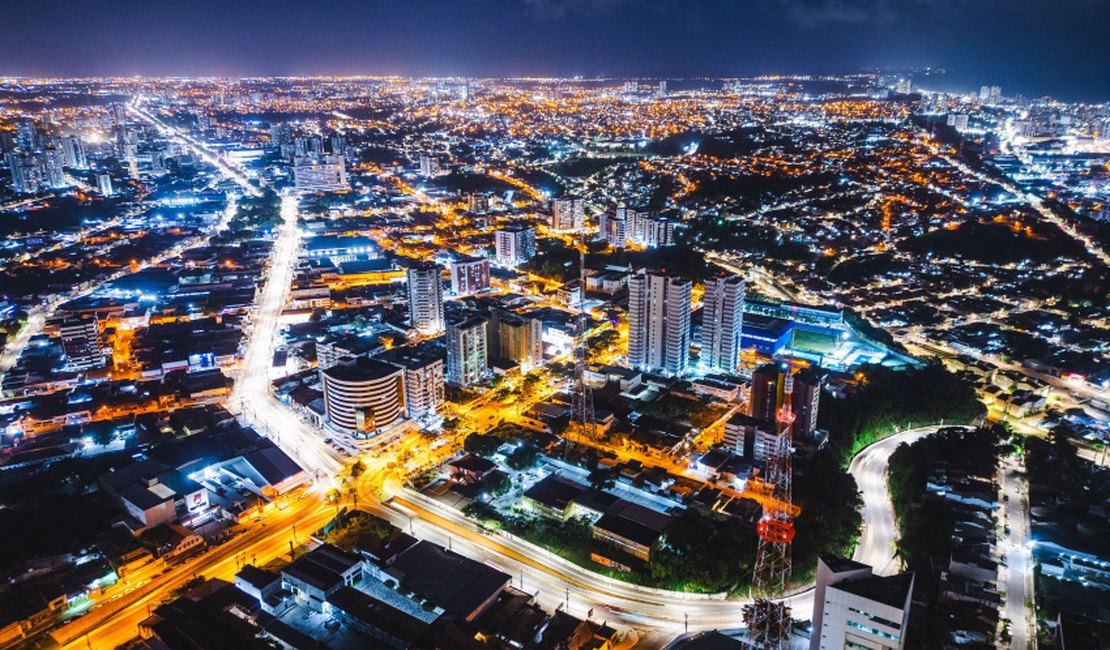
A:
[741,362]
[1032,47]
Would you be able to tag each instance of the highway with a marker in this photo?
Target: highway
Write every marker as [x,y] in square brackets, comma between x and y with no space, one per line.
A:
[252,386]
[239,175]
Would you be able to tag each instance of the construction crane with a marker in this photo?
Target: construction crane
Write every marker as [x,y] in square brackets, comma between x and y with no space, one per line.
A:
[769,620]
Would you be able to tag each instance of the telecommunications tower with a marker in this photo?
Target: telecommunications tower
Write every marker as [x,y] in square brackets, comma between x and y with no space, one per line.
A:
[769,621]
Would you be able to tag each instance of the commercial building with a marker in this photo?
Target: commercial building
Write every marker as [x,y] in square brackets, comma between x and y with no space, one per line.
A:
[515,244]
[457,585]
[152,494]
[766,335]
[426,299]
[467,356]
[658,323]
[81,342]
[319,173]
[469,275]
[363,396]
[568,213]
[320,573]
[722,322]
[516,338]
[853,608]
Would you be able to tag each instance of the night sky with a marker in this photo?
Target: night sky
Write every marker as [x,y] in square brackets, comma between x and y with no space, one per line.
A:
[1035,47]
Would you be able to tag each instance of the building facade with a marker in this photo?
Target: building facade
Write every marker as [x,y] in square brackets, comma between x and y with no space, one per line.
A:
[515,337]
[853,608]
[722,323]
[568,213]
[515,245]
[426,299]
[363,396]
[469,275]
[659,323]
[81,342]
[467,354]
[319,173]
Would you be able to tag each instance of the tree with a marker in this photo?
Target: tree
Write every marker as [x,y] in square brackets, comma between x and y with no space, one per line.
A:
[481,444]
[357,469]
[524,457]
[768,622]
[602,478]
[497,484]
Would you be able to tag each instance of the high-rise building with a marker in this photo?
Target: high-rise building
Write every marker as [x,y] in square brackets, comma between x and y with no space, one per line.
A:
[363,396]
[28,175]
[430,166]
[424,378]
[104,184]
[81,342]
[75,154]
[515,244]
[469,275]
[319,173]
[768,384]
[652,230]
[338,144]
[805,401]
[658,323]
[568,213]
[53,161]
[854,608]
[467,356]
[280,134]
[426,299]
[26,138]
[515,337]
[722,322]
[613,227]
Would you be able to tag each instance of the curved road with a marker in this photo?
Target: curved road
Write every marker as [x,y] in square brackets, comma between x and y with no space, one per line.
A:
[869,467]
[558,582]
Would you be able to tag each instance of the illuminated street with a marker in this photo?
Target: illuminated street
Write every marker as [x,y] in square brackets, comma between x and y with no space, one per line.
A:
[529,325]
